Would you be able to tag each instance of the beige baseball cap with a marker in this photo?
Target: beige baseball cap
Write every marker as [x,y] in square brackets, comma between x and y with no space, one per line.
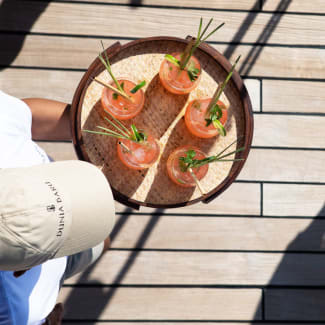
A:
[52,210]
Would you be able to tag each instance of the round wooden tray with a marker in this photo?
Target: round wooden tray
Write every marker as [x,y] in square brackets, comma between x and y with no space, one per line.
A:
[140,60]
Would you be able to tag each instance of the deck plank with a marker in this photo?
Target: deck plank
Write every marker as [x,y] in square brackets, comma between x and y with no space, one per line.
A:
[262,164]
[169,303]
[289,131]
[293,96]
[202,269]
[59,18]
[61,85]
[223,205]
[60,52]
[295,304]
[219,233]
[262,61]
[293,200]
[279,165]
[51,84]
[191,4]
[315,6]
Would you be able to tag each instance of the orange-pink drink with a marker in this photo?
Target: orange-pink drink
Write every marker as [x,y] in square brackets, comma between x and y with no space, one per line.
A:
[177,81]
[174,169]
[120,107]
[138,155]
[195,118]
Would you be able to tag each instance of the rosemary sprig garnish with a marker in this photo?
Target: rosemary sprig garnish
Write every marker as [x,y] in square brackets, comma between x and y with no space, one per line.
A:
[214,111]
[121,131]
[189,161]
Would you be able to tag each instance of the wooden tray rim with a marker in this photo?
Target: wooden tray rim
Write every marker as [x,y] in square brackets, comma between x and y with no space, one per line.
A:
[96,67]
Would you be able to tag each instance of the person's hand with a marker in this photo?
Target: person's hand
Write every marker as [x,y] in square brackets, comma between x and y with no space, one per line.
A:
[56,315]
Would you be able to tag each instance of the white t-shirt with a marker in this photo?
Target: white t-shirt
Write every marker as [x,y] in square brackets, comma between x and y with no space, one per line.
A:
[31,297]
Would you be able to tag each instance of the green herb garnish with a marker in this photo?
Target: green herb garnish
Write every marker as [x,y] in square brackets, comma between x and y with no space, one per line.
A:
[138,136]
[107,65]
[214,111]
[121,131]
[193,44]
[193,73]
[218,125]
[138,86]
[189,161]
[199,39]
[172,60]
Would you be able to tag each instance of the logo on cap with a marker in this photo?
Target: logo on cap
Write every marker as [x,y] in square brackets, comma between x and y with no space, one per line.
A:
[59,208]
[50,208]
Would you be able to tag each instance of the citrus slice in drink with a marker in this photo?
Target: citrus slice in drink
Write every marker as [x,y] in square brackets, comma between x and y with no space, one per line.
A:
[174,167]
[195,118]
[138,155]
[177,81]
[120,107]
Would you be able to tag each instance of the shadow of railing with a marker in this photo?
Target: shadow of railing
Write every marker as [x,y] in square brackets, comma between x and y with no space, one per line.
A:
[103,298]
[252,56]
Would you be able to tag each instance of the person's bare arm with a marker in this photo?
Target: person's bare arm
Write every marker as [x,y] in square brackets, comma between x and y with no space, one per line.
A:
[107,244]
[50,119]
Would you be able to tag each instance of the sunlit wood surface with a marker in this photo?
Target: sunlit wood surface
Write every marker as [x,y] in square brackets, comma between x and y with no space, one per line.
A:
[257,252]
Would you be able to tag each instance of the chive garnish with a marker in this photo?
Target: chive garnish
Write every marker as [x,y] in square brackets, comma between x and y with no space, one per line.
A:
[193,44]
[121,131]
[189,161]
[214,111]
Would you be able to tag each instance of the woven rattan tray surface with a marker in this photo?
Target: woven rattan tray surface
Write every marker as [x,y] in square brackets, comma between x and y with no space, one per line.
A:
[140,60]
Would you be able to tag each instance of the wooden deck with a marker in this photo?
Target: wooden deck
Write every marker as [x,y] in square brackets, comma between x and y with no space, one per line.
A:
[257,252]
